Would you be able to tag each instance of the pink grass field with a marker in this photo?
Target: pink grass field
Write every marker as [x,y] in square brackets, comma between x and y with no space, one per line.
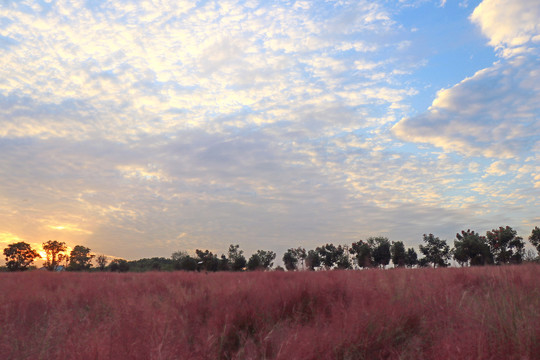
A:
[466,313]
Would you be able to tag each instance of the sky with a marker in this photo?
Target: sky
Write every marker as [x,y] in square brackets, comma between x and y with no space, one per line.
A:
[141,128]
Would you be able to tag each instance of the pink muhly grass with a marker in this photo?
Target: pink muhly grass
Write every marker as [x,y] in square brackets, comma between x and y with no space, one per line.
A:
[466,313]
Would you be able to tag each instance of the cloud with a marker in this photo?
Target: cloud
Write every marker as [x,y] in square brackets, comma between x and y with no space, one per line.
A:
[494,113]
[139,128]
[510,25]
[133,68]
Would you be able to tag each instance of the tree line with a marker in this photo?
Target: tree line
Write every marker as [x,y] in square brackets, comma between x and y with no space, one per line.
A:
[497,247]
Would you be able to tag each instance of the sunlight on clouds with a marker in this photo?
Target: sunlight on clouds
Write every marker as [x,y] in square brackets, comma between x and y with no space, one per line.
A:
[509,24]
[149,125]
[497,168]
[111,61]
[9,238]
[69,228]
[494,113]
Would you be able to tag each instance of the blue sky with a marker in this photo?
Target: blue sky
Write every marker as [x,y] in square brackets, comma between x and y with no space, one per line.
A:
[139,128]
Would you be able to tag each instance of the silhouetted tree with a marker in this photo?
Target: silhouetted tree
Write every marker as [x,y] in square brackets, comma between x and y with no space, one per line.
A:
[119,265]
[313,260]
[55,253]
[534,238]
[363,253]
[397,250]
[411,258]
[80,258]
[101,261]
[223,263]
[151,264]
[381,250]
[19,256]
[182,261]
[471,249]
[206,260]
[254,263]
[301,255]
[505,245]
[290,259]
[237,261]
[262,260]
[343,261]
[436,251]
[330,254]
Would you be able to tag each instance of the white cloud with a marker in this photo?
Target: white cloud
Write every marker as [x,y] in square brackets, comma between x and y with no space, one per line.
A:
[494,113]
[148,59]
[509,24]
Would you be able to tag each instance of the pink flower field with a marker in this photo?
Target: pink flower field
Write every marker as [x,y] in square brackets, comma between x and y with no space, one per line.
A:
[452,313]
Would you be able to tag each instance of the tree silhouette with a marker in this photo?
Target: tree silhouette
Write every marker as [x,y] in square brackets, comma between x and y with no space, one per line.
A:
[119,265]
[505,245]
[411,258]
[19,256]
[54,251]
[534,238]
[330,254]
[436,251]
[397,250]
[471,248]
[363,253]
[237,261]
[80,258]
[262,260]
[381,250]
[313,260]
[102,262]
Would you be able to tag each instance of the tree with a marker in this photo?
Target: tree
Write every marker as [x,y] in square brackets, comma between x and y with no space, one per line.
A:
[19,256]
[55,253]
[262,260]
[223,263]
[182,261]
[301,255]
[534,238]
[80,258]
[151,264]
[381,250]
[119,265]
[207,260]
[254,263]
[397,250]
[505,245]
[436,251]
[290,259]
[330,254]
[343,262]
[363,253]
[313,260]
[101,261]
[411,258]
[471,249]
[237,261]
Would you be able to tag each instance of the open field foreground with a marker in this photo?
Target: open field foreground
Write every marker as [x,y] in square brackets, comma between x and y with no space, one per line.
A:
[468,313]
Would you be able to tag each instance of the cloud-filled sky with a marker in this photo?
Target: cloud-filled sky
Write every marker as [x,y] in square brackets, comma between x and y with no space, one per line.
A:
[139,128]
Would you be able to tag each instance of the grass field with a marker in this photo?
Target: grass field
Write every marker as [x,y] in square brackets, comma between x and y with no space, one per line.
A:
[468,313]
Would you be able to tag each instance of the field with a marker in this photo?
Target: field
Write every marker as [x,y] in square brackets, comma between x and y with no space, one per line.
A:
[469,313]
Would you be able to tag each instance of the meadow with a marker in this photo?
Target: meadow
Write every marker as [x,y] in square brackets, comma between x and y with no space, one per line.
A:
[448,313]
